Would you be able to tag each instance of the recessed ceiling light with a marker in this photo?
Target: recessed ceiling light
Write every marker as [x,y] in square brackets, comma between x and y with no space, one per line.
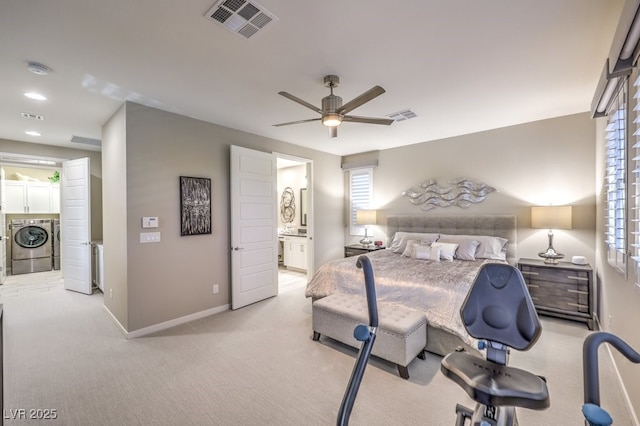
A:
[38,68]
[35,96]
[33,133]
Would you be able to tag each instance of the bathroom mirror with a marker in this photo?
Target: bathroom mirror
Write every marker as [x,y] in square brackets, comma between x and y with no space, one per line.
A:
[303,207]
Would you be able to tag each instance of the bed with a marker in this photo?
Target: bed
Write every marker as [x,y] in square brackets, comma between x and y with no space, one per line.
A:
[435,287]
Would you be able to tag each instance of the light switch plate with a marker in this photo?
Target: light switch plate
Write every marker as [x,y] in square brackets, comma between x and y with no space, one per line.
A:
[149,237]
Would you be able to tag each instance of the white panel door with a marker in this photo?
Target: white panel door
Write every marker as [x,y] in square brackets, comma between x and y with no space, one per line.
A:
[254,237]
[75,225]
[3,230]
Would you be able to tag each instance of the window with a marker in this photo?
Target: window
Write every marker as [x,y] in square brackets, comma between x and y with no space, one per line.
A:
[616,178]
[360,196]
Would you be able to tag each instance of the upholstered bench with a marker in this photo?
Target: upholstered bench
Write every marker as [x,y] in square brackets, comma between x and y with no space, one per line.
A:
[401,334]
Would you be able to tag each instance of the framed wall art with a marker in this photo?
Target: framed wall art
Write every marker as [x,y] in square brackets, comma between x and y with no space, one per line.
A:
[195,205]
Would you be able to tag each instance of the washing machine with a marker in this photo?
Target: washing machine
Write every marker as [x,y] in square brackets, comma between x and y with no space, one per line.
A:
[56,244]
[30,245]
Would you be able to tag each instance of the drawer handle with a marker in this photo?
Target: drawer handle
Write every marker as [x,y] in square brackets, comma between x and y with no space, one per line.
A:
[578,291]
[577,305]
[573,277]
[533,286]
[529,273]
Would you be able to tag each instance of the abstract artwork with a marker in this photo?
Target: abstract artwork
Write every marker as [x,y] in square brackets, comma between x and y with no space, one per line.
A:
[195,205]
[287,205]
[463,193]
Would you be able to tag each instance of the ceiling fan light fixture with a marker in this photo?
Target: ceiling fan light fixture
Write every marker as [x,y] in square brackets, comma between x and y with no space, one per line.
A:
[331,119]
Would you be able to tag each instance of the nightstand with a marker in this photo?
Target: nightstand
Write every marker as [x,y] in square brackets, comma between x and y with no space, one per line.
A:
[358,249]
[562,290]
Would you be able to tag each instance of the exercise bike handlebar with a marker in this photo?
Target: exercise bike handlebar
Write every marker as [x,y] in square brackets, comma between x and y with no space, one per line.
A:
[590,362]
[367,335]
[365,264]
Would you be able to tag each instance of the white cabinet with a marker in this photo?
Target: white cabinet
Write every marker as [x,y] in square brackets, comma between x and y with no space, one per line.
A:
[30,197]
[295,252]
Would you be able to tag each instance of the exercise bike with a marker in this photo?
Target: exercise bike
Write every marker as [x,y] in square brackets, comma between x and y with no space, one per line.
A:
[364,334]
[499,312]
[594,414]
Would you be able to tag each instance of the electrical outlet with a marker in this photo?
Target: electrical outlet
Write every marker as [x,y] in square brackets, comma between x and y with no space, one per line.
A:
[610,321]
[216,288]
[110,293]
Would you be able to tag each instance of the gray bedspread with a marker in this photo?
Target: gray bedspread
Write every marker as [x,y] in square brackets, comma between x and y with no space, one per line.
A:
[436,288]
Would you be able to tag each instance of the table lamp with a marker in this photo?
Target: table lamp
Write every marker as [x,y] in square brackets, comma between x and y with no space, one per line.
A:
[366,218]
[551,217]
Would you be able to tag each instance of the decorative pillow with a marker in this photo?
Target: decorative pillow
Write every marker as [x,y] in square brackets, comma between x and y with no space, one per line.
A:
[399,243]
[490,247]
[428,253]
[412,245]
[466,247]
[447,250]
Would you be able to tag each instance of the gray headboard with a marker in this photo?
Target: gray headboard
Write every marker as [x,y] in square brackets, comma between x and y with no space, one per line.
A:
[497,226]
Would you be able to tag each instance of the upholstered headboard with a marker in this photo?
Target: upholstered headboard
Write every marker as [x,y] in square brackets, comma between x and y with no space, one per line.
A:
[497,226]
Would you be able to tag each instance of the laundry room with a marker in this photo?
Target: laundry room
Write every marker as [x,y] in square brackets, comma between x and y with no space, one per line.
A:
[32,219]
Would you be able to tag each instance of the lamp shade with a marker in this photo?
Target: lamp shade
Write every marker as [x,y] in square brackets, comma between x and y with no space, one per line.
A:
[366,217]
[551,217]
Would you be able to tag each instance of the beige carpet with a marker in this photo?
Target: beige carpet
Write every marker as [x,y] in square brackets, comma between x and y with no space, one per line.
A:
[254,366]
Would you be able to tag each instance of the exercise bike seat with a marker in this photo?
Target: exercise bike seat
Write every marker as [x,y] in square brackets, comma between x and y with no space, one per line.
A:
[493,384]
[498,310]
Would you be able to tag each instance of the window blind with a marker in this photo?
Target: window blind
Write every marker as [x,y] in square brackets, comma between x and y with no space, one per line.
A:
[616,178]
[360,196]
[635,234]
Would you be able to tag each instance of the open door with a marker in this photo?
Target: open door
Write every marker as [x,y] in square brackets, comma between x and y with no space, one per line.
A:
[3,231]
[75,225]
[254,254]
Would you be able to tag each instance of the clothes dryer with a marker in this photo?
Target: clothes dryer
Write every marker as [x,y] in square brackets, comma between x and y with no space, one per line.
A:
[56,244]
[30,245]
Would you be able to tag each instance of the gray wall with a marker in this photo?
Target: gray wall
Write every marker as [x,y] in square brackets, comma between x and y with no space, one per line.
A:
[145,150]
[620,296]
[538,163]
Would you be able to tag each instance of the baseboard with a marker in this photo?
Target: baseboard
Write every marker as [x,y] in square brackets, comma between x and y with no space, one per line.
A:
[627,399]
[165,325]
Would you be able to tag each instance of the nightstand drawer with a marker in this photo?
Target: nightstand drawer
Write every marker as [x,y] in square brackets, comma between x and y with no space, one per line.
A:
[554,275]
[554,295]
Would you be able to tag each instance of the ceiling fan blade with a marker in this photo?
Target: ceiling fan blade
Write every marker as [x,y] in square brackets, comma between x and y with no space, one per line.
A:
[297,122]
[365,97]
[333,132]
[300,101]
[368,120]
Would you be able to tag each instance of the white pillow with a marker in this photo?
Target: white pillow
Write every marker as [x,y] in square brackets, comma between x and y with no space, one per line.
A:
[412,245]
[399,242]
[447,250]
[490,247]
[428,253]
[466,247]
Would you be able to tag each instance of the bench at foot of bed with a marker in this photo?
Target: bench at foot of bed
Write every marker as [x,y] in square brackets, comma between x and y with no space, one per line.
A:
[401,334]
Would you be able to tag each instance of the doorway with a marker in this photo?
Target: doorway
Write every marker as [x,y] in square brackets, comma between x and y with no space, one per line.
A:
[295,221]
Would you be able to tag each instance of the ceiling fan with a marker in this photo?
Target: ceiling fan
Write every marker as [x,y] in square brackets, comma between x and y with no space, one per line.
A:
[333,112]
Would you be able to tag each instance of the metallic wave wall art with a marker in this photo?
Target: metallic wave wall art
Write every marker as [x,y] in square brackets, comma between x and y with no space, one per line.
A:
[460,192]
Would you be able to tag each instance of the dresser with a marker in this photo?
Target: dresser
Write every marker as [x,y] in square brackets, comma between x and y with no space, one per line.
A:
[562,290]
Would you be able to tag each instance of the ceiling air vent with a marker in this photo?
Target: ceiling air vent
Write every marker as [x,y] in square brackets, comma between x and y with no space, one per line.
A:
[86,141]
[31,115]
[242,17]
[402,115]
